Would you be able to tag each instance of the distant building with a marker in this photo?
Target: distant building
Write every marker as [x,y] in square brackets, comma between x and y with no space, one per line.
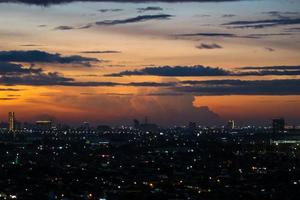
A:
[146,126]
[136,123]
[44,124]
[86,126]
[192,127]
[4,125]
[278,125]
[11,121]
[230,124]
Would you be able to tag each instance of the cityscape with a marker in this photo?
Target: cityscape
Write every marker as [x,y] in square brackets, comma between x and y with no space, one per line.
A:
[149,99]
[45,160]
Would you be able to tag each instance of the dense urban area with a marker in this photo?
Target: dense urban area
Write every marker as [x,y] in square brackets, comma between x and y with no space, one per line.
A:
[44,160]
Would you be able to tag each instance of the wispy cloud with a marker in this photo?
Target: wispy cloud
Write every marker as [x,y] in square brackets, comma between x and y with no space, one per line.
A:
[66,28]
[263,23]
[269,49]
[270,68]
[228,15]
[209,46]
[207,34]
[100,52]
[141,18]
[230,35]
[110,10]
[149,8]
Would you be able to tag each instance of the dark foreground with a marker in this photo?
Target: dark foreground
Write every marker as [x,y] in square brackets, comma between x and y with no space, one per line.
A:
[129,164]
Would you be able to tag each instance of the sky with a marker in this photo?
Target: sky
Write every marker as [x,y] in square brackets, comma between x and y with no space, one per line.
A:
[109,62]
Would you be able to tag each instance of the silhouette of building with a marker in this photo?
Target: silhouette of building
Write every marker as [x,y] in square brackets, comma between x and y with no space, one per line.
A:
[11,121]
[86,126]
[43,124]
[146,126]
[278,125]
[192,127]
[136,123]
[230,124]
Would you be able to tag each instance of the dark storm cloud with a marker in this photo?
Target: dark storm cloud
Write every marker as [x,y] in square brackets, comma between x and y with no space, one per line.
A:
[240,87]
[263,23]
[100,52]
[141,18]
[209,46]
[175,71]
[36,56]
[11,68]
[200,70]
[149,8]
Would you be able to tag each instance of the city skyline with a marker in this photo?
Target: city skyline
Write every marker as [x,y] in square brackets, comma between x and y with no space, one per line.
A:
[109,62]
[51,123]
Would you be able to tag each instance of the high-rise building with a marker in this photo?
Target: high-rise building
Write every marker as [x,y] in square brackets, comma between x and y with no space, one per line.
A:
[278,125]
[230,124]
[11,121]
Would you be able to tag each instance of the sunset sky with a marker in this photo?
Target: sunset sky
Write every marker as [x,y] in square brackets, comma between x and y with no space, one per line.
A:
[108,62]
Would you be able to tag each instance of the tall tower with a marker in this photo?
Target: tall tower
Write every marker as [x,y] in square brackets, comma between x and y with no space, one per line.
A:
[11,121]
[230,124]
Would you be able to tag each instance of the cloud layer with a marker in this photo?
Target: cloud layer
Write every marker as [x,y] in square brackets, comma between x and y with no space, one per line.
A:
[200,70]
[18,75]
[241,87]
[36,56]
